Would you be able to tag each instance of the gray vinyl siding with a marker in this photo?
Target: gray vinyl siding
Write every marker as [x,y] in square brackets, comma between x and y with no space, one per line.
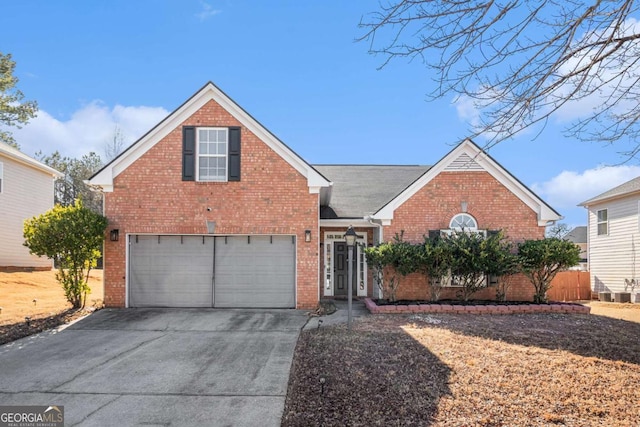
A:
[616,256]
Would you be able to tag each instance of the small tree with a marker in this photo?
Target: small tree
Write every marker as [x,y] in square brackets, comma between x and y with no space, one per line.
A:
[403,262]
[378,258]
[433,259]
[503,265]
[542,259]
[398,255]
[72,236]
[473,257]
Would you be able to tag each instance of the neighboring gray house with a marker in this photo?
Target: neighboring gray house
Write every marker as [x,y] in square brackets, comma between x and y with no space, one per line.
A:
[26,190]
[614,239]
[579,236]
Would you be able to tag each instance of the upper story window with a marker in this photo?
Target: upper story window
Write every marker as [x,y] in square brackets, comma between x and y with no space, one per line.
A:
[212,154]
[463,222]
[603,222]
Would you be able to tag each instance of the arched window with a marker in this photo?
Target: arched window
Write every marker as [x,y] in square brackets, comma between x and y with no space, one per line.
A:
[463,222]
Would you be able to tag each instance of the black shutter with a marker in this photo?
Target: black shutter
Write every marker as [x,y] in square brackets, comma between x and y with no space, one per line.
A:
[188,153]
[234,154]
[434,234]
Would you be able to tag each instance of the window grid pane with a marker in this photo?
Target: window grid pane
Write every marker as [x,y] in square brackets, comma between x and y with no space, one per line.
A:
[212,154]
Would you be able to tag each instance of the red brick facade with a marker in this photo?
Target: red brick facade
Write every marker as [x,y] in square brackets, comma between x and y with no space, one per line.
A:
[145,194]
[492,205]
[272,197]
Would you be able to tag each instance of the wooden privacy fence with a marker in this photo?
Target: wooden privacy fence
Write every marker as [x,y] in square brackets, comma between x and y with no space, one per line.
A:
[570,285]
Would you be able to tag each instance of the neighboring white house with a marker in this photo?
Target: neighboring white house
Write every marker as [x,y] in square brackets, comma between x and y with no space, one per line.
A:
[614,239]
[26,190]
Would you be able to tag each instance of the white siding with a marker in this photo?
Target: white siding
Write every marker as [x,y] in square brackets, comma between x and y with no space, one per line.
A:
[616,256]
[26,192]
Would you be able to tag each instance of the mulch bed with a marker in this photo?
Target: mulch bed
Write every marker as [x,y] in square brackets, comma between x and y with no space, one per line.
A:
[460,370]
[16,331]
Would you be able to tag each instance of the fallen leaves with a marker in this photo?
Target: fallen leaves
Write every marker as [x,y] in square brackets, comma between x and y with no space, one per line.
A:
[461,370]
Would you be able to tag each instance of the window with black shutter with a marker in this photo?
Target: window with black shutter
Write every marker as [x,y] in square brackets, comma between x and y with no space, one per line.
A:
[211,154]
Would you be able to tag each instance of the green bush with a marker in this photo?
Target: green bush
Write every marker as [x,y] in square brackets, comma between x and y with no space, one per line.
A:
[433,259]
[72,236]
[541,260]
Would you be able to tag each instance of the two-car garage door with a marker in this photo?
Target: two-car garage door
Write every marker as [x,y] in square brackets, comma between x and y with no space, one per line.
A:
[212,271]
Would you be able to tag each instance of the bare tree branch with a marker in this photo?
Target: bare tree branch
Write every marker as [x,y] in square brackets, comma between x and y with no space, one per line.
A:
[522,62]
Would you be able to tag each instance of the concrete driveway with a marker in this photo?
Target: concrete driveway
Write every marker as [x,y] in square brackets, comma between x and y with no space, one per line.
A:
[176,367]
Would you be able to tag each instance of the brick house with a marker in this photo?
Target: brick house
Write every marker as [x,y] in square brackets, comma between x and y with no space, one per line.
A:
[210,209]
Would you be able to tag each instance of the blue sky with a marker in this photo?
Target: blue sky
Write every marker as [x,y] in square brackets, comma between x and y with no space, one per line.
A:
[293,65]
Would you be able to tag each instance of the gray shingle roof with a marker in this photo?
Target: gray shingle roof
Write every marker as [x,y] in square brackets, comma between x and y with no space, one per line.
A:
[577,235]
[622,189]
[360,190]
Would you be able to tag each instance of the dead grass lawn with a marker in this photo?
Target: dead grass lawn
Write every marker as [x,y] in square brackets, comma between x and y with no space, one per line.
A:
[18,290]
[464,370]
[623,311]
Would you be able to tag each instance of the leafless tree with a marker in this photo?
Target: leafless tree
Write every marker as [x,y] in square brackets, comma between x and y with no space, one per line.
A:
[114,146]
[519,62]
[558,230]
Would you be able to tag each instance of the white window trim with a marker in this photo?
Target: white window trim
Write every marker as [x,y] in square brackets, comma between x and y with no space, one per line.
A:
[598,222]
[474,228]
[1,178]
[226,156]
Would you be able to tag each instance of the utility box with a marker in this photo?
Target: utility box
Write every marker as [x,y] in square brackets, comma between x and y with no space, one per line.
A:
[604,296]
[622,297]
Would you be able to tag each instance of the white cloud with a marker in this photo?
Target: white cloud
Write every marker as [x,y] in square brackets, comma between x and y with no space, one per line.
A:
[207,11]
[569,188]
[468,110]
[89,129]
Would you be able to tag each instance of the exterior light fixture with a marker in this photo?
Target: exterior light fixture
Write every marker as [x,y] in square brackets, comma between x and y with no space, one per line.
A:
[114,235]
[307,235]
[350,237]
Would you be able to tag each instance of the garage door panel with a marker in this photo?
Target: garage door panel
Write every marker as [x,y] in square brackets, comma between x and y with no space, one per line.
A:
[171,271]
[256,271]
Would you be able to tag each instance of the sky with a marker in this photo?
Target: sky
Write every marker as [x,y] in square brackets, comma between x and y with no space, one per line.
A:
[94,66]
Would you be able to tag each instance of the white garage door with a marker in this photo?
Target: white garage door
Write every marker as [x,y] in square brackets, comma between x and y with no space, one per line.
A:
[207,271]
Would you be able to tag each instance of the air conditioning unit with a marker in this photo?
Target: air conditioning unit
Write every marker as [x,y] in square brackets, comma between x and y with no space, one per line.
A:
[622,297]
[604,296]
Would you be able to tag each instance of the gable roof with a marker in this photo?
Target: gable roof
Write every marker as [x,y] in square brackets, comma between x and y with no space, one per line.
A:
[577,235]
[104,177]
[351,199]
[624,189]
[467,156]
[13,153]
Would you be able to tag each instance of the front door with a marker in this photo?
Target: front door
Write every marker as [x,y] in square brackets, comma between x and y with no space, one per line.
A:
[341,269]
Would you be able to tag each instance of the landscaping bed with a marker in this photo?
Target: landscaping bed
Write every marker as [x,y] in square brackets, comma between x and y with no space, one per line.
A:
[474,307]
[459,370]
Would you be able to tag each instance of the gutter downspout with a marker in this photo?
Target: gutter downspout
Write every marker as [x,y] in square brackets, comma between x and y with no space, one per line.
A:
[377,292]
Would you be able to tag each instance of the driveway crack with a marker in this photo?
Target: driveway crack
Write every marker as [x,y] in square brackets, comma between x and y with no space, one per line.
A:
[86,417]
[115,356]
